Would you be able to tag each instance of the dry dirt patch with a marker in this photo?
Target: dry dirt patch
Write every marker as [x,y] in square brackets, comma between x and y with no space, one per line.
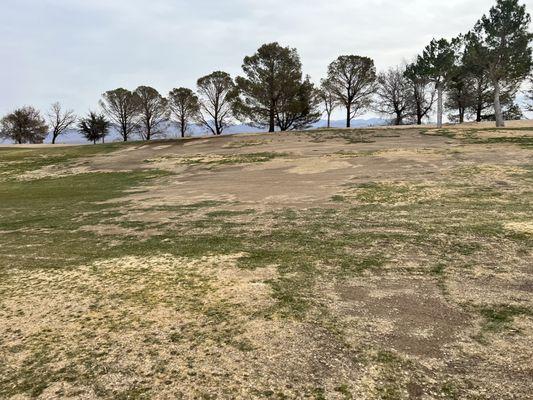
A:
[317,165]
[303,165]
[409,316]
[274,183]
[418,154]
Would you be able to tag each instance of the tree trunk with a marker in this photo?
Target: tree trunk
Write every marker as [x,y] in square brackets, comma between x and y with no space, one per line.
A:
[215,119]
[439,105]
[398,120]
[329,120]
[418,105]
[272,119]
[54,139]
[479,101]
[497,106]
[348,116]
[418,113]
[461,115]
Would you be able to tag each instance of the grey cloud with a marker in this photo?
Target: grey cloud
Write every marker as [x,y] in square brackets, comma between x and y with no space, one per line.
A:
[73,50]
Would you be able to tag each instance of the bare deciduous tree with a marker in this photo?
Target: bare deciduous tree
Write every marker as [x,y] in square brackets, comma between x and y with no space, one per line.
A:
[184,106]
[393,93]
[60,120]
[217,94]
[153,111]
[122,107]
[352,80]
[328,98]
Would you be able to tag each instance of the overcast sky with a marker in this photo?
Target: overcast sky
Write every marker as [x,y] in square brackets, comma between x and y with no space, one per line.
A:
[74,50]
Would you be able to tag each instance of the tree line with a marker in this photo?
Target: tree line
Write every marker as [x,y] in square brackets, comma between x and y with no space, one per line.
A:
[480,72]
[474,76]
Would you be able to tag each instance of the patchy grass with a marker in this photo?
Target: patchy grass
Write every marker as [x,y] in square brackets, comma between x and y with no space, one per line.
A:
[524,141]
[341,296]
[439,132]
[245,143]
[354,154]
[40,219]
[15,161]
[220,159]
[500,317]
[350,136]
[228,213]
[338,198]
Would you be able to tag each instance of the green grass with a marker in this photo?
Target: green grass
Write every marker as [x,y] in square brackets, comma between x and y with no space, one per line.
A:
[438,132]
[500,317]
[523,141]
[229,213]
[338,198]
[345,391]
[45,215]
[381,193]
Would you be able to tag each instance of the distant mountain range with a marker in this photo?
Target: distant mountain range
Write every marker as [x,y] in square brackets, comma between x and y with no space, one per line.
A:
[73,137]
[356,123]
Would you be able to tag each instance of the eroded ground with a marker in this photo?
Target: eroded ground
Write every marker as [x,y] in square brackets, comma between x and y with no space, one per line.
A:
[332,264]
